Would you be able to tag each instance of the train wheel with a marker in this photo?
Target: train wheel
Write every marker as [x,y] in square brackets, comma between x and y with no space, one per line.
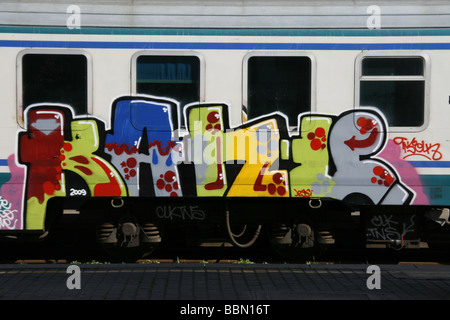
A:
[128,240]
[299,242]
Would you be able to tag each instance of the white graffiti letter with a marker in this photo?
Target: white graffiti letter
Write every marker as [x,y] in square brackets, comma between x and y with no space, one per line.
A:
[374,21]
[74,281]
[374,281]
[74,20]
[8,218]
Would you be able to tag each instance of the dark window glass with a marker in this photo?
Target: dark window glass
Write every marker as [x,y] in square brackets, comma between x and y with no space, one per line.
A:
[279,84]
[175,77]
[55,78]
[392,66]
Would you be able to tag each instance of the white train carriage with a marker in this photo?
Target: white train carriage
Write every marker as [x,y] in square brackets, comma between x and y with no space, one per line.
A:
[135,115]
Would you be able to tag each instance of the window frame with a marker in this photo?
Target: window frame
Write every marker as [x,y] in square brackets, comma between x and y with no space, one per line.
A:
[278,54]
[140,53]
[396,54]
[19,73]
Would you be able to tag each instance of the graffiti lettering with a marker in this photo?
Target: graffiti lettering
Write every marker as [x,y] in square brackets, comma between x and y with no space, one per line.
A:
[384,227]
[304,193]
[180,212]
[144,155]
[419,148]
[143,136]
[8,218]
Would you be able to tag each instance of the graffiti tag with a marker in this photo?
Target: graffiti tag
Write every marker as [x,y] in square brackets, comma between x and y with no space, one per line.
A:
[386,227]
[180,212]
[8,218]
[304,193]
[419,148]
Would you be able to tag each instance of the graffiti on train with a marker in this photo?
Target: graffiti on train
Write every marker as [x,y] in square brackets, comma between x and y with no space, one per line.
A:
[144,154]
[429,151]
[390,227]
[180,213]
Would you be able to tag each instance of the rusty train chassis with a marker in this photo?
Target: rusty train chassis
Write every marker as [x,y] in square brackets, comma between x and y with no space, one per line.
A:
[295,227]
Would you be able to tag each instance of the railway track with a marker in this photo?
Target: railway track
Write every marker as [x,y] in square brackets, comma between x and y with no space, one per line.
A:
[51,252]
[70,246]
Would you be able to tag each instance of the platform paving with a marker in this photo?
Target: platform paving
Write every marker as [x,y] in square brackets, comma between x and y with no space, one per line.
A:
[224,282]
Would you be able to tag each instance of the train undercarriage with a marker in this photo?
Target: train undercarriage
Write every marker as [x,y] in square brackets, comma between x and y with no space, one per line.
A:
[296,229]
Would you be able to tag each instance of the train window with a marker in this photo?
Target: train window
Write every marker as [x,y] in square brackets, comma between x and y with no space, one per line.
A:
[278,83]
[380,66]
[176,77]
[53,78]
[397,86]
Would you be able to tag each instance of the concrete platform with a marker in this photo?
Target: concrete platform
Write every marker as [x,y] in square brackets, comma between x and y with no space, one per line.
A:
[223,282]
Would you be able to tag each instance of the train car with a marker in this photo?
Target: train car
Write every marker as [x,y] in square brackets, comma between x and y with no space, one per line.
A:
[310,122]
